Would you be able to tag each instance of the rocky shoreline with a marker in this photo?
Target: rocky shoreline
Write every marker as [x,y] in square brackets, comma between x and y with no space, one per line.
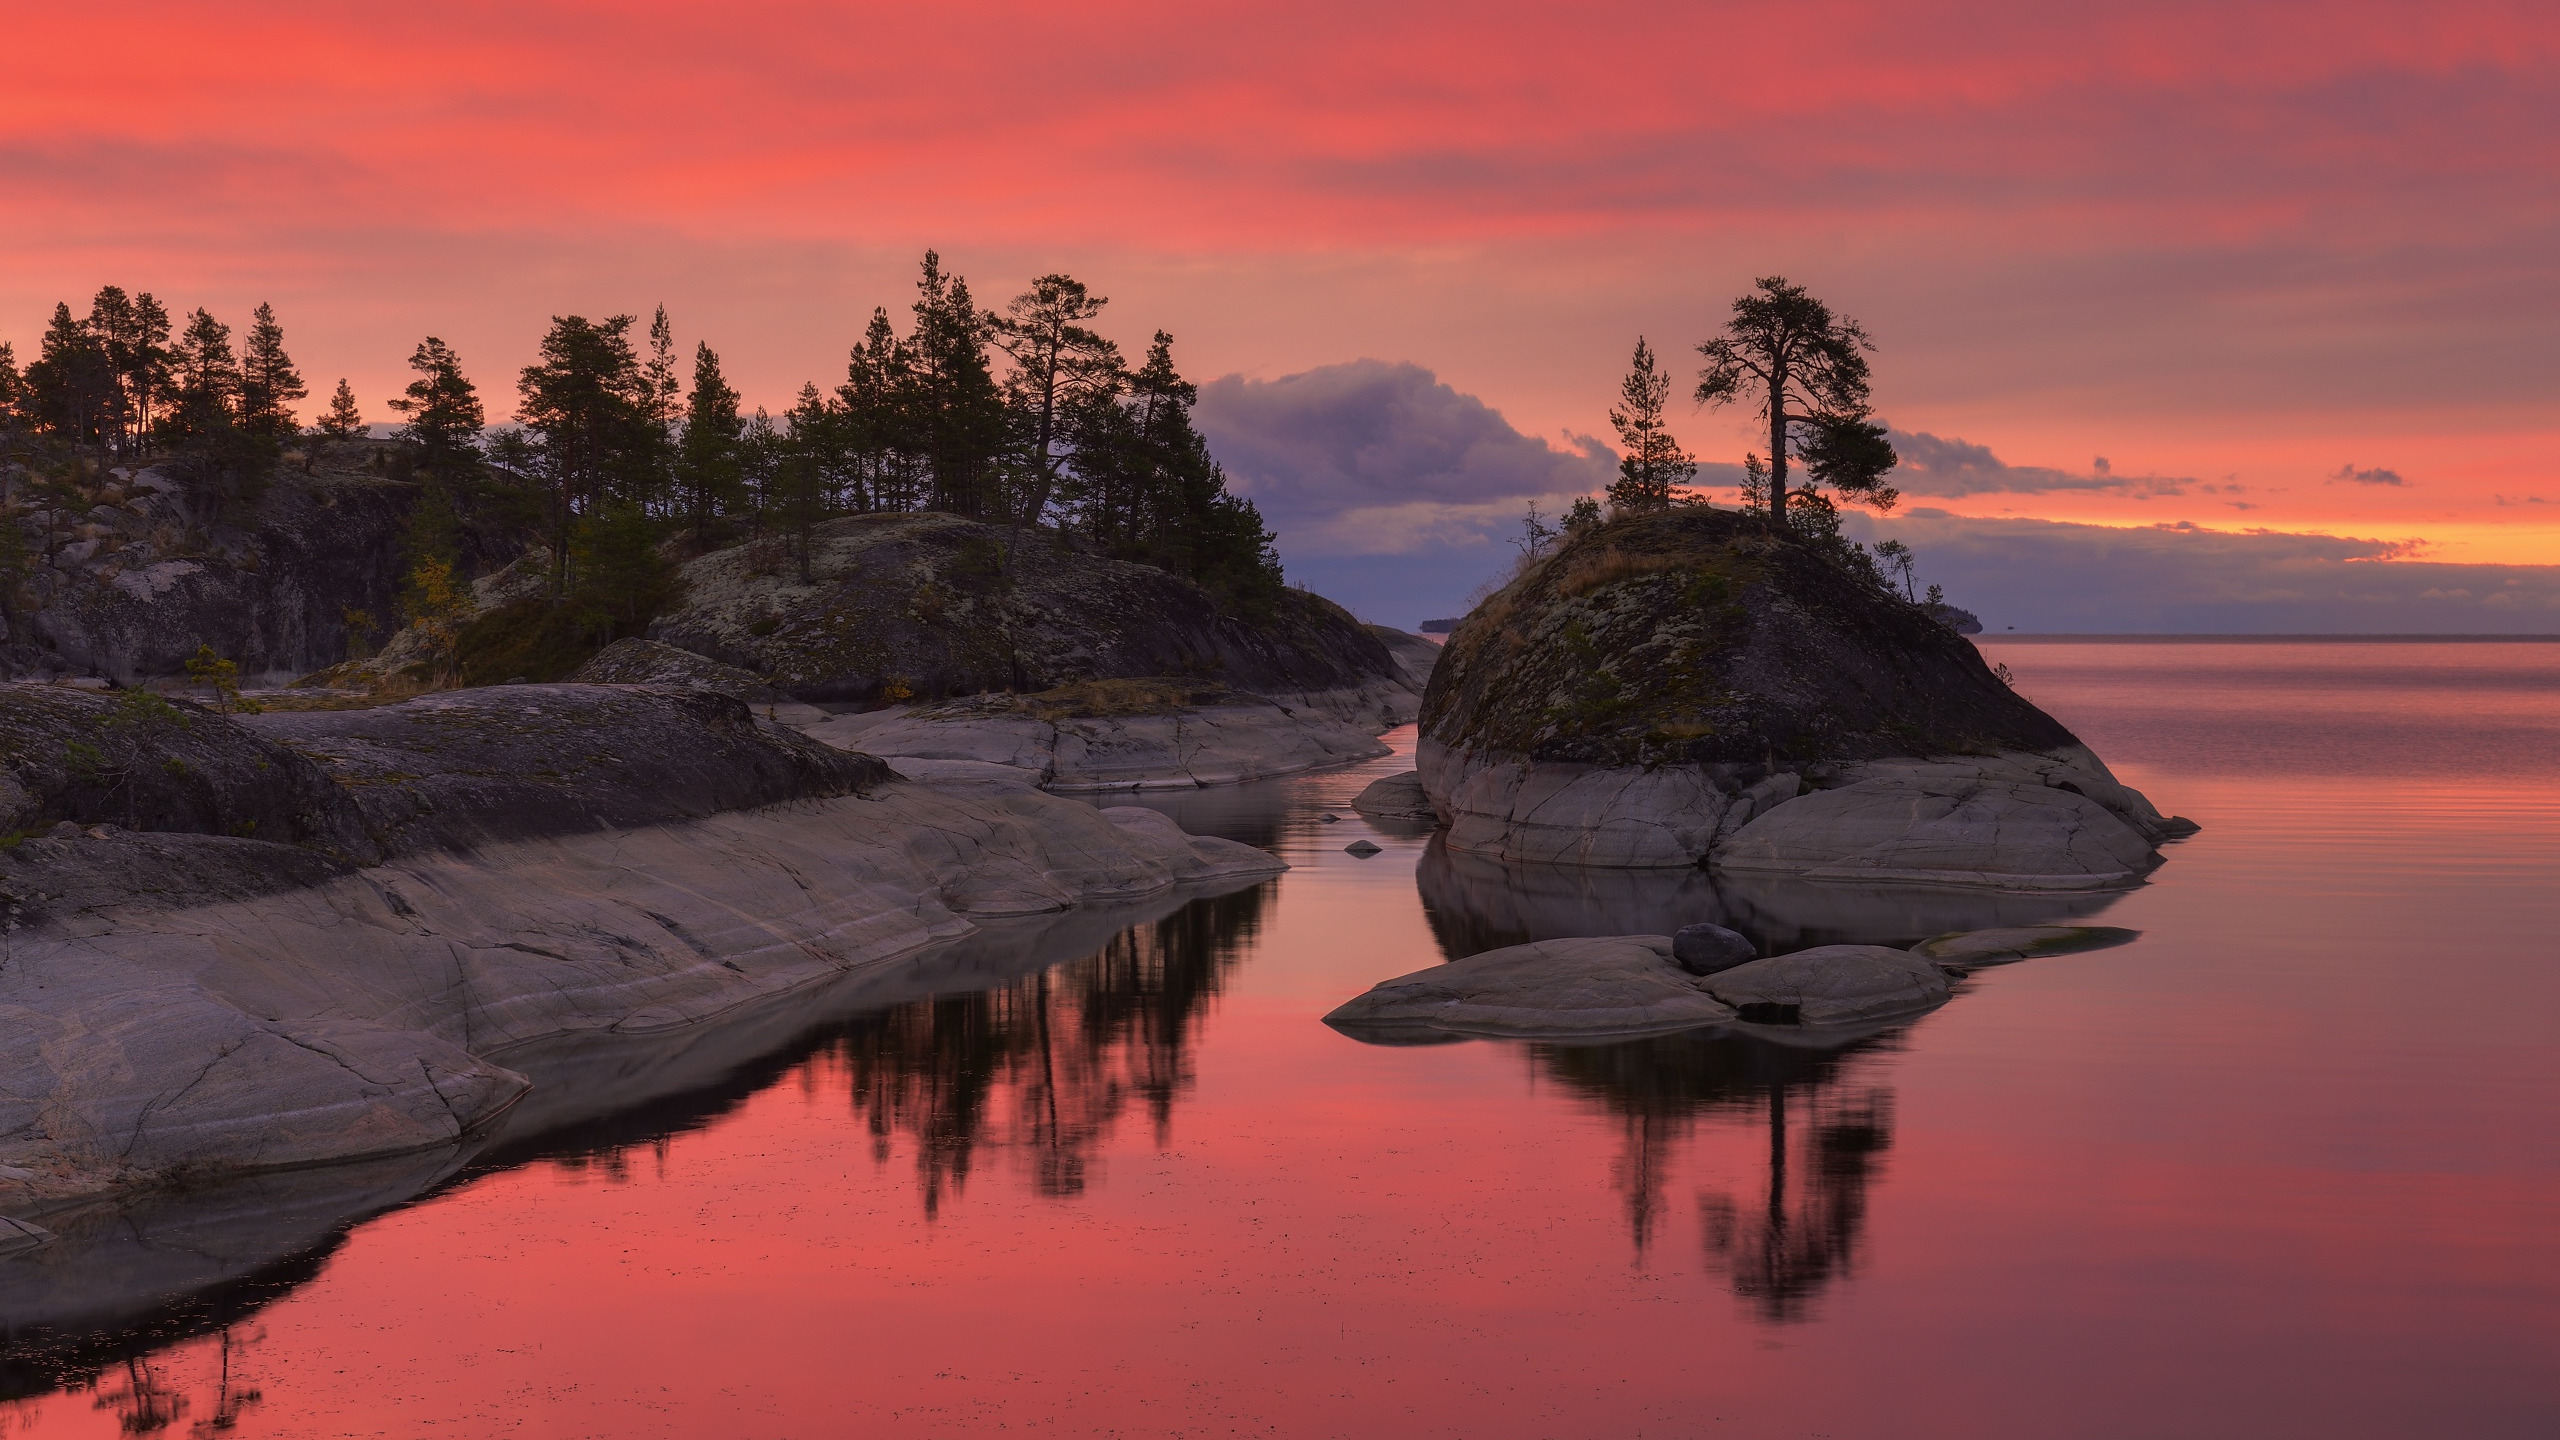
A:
[477,871]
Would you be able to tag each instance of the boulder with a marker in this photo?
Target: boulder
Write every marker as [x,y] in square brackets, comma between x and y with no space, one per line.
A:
[1831,985]
[1705,948]
[1614,985]
[1661,684]
[1395,797]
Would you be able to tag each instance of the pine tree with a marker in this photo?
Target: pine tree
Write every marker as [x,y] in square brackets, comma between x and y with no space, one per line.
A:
[14,419]
[1654,465]
[1062,371]
[342,420]
[1808,368]
[268,382]
[116,324]
[873,419]
[653,484]
[956,413]
[442,406]
[207,395]
[71,384]
[587,404]
[707,460]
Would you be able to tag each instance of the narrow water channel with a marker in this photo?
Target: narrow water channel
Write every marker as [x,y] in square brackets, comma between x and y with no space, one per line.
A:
[2285,1166]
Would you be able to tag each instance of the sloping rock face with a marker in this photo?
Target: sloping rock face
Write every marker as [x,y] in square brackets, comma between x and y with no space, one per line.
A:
[130,586]
[1689,686]
[635,661]
[514,762]
[1415,656]
[1225,739]
[131,760]
[927,606]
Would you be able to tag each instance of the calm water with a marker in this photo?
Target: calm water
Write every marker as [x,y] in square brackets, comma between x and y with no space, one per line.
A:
[2289,1165]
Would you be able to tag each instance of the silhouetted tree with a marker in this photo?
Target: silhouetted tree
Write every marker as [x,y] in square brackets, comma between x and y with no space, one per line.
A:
[71,385]
[1808,370]
[342,420]
[268,382]
[207,372]
[1062,372]
[707,460]
[955,414]
[1654,465]
[588,406]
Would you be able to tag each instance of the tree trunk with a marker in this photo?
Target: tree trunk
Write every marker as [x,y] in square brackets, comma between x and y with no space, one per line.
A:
[1778,443]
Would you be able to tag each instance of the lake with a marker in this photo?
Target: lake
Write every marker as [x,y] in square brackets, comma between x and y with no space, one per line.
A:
[2287,1165]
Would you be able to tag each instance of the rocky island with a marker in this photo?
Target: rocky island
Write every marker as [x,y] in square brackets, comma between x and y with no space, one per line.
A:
[1691,687]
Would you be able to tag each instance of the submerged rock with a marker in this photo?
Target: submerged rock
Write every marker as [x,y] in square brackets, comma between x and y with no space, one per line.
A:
[1665,690]
[1976,948]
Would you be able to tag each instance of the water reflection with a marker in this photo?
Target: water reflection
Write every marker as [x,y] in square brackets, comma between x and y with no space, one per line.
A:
[1025,1056]
[1824,1121]
[1047,1066]
[1475,904]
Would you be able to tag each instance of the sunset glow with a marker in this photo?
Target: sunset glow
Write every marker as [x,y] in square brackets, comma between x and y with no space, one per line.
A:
[2244,246]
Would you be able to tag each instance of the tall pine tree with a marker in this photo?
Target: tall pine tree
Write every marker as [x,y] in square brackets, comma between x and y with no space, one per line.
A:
[707,460]
[268,382]
[588,405]
[955,413]
[1062,373]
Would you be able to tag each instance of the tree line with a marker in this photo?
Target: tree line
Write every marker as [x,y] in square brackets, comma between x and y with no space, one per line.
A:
[622,452]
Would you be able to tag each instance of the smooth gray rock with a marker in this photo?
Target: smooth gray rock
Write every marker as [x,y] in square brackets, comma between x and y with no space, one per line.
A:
[1232,739]
[1360,848]
[1952,825]
[1831,985]
[1705,948]
[1395,797]
[359,1014]
[1612,985]
[1976,948]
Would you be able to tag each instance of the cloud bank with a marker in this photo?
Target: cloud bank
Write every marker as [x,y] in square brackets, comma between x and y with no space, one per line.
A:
[1398,495]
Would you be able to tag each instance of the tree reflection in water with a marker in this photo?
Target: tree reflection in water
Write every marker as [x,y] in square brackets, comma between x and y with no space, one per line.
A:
[1826,1122]
[1046,1066]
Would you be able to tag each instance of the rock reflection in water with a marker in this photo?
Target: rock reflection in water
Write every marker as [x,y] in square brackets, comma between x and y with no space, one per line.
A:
[1826,1122]
[1475,904]
[1047,1065]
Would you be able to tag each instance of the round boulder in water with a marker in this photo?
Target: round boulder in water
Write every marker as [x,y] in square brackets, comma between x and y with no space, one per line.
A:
[1704,949]
[1361,848]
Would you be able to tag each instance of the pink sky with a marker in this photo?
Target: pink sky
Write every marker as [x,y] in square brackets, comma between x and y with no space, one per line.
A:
[2243,244]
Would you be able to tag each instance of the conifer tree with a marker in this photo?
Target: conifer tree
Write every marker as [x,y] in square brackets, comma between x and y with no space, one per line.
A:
[663,403]
[1654,465]
[1062,372]
[342,420]
[121,328]
[14,420]
[71,384]
[268,382]
[442,407]
[207,394]
[587,404]
[956,413]
[707,460]
[873,422]
[1808,369]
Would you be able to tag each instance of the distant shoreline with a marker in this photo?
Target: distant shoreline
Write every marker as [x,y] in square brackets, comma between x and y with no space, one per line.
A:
[2015,637]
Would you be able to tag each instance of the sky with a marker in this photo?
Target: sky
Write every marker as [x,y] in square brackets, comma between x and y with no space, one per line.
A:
[2221,316]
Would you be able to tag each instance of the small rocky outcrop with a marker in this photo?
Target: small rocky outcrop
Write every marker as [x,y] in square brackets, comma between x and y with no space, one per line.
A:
[1690,686]
[1622,985]
[634,661]
[925,606]
[1395,797]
